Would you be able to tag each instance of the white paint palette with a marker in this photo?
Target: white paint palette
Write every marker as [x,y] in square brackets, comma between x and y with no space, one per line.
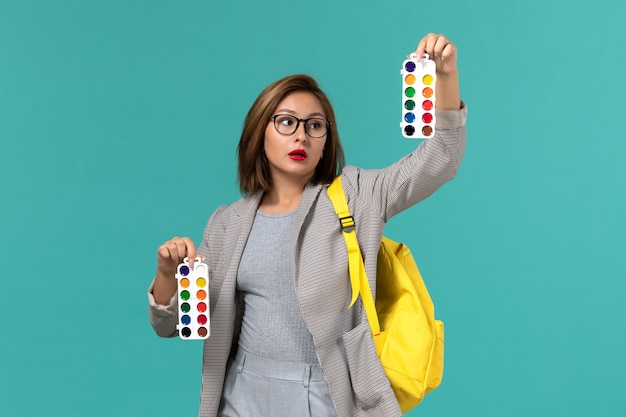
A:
[193,300]
[418,97]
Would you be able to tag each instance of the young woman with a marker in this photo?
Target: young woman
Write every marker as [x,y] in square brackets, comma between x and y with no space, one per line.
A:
[283,341]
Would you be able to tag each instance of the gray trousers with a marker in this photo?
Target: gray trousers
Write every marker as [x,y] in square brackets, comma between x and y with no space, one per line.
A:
[257,387]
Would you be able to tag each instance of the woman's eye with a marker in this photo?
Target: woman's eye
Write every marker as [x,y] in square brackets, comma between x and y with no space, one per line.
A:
[286,121]
[315,124]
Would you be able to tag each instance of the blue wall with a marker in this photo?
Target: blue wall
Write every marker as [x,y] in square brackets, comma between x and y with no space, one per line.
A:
[113,112]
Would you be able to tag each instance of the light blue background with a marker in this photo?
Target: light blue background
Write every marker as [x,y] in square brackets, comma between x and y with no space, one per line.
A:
[118,127]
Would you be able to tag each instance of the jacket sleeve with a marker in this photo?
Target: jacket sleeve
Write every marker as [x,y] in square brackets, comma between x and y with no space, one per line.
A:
[416,176]
[163,318]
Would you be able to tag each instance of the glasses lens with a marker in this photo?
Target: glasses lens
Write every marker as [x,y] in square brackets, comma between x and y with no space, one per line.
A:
[285,124]
[316,128]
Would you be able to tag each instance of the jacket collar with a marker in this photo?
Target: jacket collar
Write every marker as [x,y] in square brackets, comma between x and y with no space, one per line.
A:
[246,207]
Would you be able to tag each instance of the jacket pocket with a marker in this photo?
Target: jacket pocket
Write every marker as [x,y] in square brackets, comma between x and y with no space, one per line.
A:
[369,381]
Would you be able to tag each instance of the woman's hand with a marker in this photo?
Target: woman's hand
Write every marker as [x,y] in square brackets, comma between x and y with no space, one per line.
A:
[441,50]
[169,255]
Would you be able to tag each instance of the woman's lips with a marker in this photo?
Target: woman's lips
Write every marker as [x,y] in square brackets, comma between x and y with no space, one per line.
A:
[298,155]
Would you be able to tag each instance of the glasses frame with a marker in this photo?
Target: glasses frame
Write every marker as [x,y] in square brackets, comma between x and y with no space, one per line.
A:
[298,121]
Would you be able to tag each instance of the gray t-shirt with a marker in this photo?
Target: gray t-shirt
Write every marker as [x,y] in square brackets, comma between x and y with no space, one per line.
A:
[272,325]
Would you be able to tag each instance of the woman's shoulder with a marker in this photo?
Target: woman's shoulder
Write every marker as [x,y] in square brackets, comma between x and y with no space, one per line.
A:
[238,208]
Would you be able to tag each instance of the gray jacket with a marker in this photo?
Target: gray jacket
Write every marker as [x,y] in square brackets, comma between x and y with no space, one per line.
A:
[343,341]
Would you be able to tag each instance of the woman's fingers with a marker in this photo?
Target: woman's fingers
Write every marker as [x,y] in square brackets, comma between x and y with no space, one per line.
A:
[440,49]
[172,253]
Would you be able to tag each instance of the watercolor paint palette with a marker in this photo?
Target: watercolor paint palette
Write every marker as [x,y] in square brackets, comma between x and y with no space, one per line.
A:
[418,97]
[193,300]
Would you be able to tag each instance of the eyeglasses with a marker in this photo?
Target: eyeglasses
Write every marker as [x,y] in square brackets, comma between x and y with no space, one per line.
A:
[286,124]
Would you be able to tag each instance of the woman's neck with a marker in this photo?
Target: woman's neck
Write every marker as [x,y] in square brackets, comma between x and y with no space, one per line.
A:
[282,198]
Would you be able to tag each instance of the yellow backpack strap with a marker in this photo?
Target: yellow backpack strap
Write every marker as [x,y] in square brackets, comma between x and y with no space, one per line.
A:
[358,276]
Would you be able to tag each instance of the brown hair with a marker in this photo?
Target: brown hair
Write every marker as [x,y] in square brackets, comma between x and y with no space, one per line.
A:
[253,171]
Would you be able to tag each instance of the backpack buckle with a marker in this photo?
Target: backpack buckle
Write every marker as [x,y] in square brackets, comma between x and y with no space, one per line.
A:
[347,223]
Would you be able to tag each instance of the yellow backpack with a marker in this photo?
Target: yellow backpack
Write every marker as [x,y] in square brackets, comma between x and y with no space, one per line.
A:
[408,338]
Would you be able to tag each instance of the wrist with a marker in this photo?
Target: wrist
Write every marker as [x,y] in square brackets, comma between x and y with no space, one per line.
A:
[447,92]
[453,74]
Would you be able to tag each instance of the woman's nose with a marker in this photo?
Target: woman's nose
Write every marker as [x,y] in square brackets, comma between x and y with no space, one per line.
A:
[300,133]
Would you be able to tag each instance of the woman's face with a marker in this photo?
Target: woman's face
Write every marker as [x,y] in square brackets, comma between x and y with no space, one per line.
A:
[294,156]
